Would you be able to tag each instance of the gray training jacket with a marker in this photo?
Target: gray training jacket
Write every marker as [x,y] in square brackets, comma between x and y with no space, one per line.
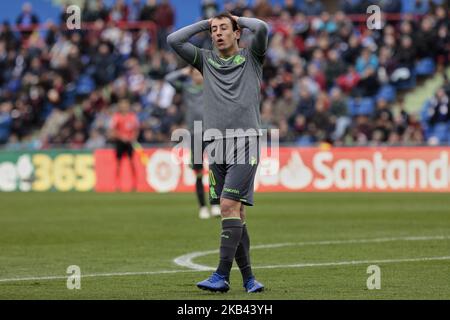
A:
[232,87]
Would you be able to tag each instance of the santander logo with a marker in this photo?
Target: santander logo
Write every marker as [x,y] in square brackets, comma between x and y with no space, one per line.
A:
[296,175]
[372,171]
[380,173]
[365,169]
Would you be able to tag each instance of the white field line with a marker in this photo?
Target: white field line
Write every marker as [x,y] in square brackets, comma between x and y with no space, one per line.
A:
[301,265]
[346,263]
[201,268]
[187,260]
[95,275]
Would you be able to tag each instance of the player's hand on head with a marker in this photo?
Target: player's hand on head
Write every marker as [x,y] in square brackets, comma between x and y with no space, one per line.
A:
[235,18]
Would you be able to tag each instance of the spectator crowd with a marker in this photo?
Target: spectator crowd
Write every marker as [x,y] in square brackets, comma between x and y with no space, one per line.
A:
[327,78]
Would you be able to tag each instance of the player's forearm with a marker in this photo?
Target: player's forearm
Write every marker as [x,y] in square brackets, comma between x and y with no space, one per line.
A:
[174,77]
[184,34]
[178,40]
[254,24]
[260,31]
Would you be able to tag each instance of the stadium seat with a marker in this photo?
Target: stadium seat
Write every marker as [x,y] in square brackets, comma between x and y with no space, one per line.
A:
[424,117]
[407,84]
[305,141]
[441,132]
[407,6]
[69,96]
[361,106]
[387,92]
[427,130]
[448,134]
[14,85]
[425,67]
[85,85]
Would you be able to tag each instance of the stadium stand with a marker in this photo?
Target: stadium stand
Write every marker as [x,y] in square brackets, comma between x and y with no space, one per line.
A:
[327,77]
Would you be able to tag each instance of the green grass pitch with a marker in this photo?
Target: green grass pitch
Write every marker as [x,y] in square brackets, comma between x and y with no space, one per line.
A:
[125,246]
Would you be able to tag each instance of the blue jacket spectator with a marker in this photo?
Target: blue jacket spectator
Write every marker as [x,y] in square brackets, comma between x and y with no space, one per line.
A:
[365,61]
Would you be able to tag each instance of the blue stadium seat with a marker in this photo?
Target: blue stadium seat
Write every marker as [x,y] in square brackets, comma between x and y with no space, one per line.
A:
[69,96]
[409,6]
[425,67]
[361,106]
[46,111]
[85,85]
[441,132]
[427,130]
[448,134]
[14,85]
[387,92]
[407,84]
[305,141]
[424,117]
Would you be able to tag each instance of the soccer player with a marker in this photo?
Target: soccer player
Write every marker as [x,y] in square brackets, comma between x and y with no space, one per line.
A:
[189,81]
[232,80]
[125,127]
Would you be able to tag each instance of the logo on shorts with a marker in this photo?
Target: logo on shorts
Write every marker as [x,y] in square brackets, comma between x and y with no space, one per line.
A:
[229,190]
[253,161]
[226,236]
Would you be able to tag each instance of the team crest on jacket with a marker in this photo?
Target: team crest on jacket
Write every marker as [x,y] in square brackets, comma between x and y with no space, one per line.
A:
[238,59]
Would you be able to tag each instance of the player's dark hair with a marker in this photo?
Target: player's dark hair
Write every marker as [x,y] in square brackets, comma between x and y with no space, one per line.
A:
[226,15]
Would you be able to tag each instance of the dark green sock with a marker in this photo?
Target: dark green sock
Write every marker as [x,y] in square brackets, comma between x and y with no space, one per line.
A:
[229,241]
[200,191]
[243,255]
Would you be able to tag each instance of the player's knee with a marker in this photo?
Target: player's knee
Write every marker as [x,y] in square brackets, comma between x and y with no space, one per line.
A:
[230,208]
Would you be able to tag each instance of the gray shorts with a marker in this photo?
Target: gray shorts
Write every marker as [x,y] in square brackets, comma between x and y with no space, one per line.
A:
[232,169]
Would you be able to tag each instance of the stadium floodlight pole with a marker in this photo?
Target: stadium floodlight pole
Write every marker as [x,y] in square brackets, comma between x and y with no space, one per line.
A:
[232,94]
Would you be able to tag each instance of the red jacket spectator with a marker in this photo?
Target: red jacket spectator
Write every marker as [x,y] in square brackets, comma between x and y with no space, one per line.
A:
[349,80]
[125,126]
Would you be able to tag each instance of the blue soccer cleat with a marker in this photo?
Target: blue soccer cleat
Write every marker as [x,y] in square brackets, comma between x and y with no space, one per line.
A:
[215,283]
[251,285]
